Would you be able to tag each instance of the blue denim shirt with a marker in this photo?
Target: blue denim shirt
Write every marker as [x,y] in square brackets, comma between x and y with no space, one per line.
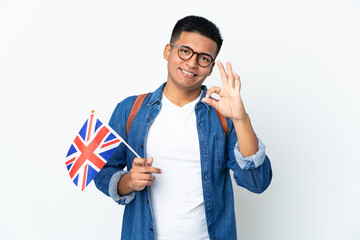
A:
[218,154]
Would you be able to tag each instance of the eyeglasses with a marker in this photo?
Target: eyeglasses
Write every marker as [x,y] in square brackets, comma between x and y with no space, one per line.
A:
[185,53]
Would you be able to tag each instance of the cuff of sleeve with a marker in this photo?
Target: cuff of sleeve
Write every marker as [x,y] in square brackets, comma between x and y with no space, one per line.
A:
[252,161]
[113,191]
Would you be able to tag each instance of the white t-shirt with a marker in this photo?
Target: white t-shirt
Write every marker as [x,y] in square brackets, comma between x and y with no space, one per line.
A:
[176,195]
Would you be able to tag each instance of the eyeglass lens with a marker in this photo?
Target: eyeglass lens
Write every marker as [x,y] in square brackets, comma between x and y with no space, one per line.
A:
[186,53]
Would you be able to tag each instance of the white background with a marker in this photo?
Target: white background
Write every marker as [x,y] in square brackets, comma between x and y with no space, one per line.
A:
[299,64]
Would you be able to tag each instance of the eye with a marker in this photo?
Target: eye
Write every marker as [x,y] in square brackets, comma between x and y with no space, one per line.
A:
[205,58]
[184,51]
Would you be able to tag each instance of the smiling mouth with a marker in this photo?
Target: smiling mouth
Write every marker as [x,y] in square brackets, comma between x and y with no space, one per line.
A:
[188,73]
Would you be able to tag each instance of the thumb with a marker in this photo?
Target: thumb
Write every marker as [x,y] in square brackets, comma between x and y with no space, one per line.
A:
[149,161]
[212,102]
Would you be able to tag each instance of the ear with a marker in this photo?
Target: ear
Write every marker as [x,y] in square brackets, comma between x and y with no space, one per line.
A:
[167,51]
[211,68]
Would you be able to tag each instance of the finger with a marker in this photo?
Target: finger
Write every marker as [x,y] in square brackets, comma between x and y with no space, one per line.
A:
[143,183]
[149,161]
[211,102]
[230,74]
[212,90]
[139,162]
[222,73]
[139,180]
[149,169]
[144,177]
[237,81]
[145,170]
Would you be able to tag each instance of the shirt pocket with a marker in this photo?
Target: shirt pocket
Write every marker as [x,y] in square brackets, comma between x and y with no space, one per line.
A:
[220,151]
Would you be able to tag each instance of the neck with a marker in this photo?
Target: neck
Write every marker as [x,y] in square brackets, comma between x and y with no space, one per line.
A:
[180,97]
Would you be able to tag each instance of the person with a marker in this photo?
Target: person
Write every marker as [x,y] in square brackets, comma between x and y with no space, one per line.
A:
[181,188]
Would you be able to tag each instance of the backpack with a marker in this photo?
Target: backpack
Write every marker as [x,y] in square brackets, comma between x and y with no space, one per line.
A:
[140,99]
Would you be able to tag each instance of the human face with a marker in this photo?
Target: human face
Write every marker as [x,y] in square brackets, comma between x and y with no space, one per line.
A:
[187,75]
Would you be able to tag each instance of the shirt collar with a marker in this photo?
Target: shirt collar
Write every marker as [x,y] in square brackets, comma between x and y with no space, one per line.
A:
[157,96]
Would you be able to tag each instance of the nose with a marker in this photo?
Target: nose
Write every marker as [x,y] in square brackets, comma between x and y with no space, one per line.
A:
[192,62]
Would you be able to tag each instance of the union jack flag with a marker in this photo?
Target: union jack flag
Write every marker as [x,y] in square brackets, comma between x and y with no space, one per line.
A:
[91,149]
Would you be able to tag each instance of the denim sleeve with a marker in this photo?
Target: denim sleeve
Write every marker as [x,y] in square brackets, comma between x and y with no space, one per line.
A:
[254,172]
[113,192]
[252,161]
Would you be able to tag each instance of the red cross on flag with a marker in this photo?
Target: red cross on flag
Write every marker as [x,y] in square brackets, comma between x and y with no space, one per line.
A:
[91,149]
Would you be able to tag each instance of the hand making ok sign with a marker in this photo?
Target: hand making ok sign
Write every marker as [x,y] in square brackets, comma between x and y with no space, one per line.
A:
[230,103]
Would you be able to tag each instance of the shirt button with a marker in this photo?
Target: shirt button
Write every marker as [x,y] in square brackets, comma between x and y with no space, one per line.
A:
[151,229]
[148,119]
[200,124]
[205,176]
[141,146]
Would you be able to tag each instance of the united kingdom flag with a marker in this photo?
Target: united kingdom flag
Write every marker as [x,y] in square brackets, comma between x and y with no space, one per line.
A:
[91,149]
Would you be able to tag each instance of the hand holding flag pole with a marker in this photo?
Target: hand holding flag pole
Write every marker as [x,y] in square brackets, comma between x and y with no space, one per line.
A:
[91,149]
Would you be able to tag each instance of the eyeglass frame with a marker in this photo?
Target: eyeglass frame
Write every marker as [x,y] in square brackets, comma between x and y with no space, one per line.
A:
[193,52]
